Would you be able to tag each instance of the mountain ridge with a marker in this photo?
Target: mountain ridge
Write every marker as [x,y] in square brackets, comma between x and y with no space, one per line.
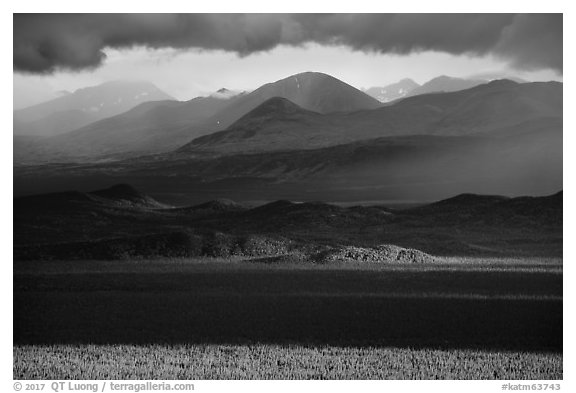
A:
[446,84]
[86,105]
[482,109]
[159,127]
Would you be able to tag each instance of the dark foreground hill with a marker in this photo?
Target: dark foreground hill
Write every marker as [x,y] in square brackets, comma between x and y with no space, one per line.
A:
[120,195]
[119,222]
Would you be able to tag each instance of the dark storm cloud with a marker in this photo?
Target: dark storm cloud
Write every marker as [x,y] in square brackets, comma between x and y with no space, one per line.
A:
[44,43]
[534,41]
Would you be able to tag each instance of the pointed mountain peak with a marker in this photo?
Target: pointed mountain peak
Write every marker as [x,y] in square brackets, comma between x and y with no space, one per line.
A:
[225,93]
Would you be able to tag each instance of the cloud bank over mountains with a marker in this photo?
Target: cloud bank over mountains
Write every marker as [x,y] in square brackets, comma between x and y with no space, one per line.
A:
[45,43]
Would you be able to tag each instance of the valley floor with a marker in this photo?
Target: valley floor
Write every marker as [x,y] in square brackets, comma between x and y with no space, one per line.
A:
[210,318]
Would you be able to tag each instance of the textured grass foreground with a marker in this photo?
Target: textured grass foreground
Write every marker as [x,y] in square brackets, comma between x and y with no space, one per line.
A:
[276,362]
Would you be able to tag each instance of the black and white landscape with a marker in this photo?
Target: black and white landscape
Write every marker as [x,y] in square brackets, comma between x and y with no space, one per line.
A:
[297,227]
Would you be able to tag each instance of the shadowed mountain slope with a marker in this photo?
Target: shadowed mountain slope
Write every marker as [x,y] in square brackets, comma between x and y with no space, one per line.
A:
[277,122]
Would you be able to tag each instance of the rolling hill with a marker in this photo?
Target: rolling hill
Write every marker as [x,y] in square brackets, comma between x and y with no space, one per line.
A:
[121,222]
[116,196]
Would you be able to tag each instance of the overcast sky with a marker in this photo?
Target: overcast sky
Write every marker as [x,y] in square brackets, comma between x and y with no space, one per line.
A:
[195,54]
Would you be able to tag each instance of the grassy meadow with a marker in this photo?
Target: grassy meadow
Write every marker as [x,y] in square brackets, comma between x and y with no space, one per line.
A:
[226,318]
[269,361]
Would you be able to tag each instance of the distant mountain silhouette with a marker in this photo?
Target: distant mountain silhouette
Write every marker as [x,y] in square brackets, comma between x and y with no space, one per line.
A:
[393,91]
[74,110]
[445,84]
[148,128]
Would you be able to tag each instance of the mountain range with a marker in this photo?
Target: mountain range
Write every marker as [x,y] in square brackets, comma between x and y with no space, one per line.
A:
[105,129]
[446,84]
[161,126]
[71,111]
[311,133]
[498,108]
[441,84]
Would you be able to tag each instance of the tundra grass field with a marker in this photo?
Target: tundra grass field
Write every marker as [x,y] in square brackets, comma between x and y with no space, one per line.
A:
[244,319]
